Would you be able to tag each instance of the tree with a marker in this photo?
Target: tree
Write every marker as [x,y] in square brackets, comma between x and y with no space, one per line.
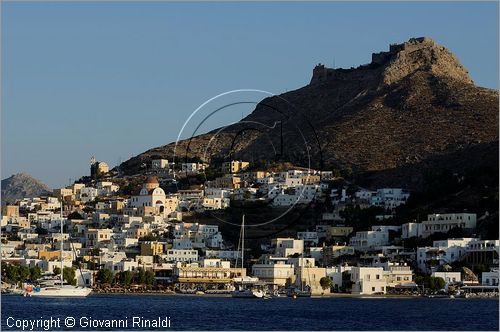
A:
[69,275]
[35,272]
[75,215]
[24,272]
[326,283]
[105,276]
[141,276]
[419,280]
[56,270]
[12,273]
[436,283]
[125,278]
[149,277]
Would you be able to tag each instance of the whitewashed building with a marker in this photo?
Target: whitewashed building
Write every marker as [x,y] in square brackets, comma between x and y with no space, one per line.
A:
[411,229]
[288,246]
[442,252]
[366,240]
[181,255]
[368,280]
[273,270]
[448,277]
[445,222]
[490,278]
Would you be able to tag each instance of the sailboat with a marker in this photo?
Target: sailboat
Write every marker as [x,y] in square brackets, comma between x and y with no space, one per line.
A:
[61,290]
[245,285]
[303,291]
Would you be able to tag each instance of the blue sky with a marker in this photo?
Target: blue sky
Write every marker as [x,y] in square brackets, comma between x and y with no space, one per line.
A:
[114,79]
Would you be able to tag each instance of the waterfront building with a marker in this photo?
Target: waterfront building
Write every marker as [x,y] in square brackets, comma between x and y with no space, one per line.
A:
[442,252]
[309,277]
[338,274]
[448,277]
[398,275]
[490,278]
[483,252]
[192,275]
[368,280]
[274,270]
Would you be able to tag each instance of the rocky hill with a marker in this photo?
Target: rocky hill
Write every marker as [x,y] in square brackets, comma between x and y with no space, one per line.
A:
[22,185]
[414,108]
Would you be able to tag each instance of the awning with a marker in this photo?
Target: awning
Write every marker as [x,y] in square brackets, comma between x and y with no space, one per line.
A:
[204,280]
[480,287]
[407,285]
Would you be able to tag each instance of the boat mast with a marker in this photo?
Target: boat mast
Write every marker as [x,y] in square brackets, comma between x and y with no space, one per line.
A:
[242,242]
[302,272]
[62,236]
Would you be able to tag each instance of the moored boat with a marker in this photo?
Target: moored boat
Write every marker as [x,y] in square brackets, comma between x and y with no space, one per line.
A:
[53,289]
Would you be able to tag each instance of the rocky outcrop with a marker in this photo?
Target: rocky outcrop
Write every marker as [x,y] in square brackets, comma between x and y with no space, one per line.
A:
[425,55]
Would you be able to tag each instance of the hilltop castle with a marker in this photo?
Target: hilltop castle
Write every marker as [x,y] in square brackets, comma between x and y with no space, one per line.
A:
[322,73]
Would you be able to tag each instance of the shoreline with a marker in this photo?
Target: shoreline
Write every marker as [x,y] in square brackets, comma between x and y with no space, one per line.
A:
[324,296]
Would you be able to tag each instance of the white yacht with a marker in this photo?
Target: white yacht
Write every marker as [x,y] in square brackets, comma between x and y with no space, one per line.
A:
[59,291]
[248,293]
[54,289]
[245,287]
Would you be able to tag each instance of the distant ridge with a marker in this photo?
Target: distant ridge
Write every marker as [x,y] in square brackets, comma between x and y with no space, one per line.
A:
[22,185]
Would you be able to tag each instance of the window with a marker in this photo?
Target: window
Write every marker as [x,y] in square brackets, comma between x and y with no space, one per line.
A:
[373,289]
[377,276]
